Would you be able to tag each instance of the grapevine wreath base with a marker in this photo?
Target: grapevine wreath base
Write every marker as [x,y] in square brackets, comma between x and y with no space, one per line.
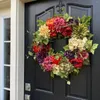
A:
[75,53]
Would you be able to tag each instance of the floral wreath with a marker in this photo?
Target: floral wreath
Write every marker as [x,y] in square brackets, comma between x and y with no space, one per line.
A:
[75,53]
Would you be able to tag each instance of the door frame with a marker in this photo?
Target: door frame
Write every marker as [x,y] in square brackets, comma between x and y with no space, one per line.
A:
[4,13]
[2,18]
[17,49]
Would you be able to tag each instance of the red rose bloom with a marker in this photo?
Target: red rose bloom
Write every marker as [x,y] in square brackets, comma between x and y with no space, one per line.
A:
[67,31]
[77,62]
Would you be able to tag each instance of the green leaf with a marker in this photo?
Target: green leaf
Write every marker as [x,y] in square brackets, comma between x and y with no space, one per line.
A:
[76,71]
[90,36]
[57,57]
[67,17]
[88,45]
[45,41]
[40,22]
[85,20]
[66,48]
[94,47]
[52,75]
[30,53]
[86,62]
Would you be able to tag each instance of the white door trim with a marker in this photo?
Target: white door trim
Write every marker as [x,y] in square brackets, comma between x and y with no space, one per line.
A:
[3,15]
[17,50]
[2,60]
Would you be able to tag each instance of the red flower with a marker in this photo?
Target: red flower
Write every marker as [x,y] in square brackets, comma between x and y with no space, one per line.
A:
[51,27]
[85,54]
[77,62]
[57,61]
[53,34]
[67,31]
[36,48]
[47,47]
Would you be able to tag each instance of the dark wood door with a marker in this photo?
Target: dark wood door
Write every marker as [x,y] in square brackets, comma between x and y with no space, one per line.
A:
[85,86]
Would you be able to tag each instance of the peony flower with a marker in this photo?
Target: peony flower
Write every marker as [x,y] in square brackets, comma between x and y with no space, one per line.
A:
[44,31]
[77,62]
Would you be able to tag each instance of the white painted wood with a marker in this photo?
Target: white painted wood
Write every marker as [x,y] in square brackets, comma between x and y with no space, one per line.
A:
[7,41]
[7,65]
[4,13]
[7,89]
[1,61]
[17,48]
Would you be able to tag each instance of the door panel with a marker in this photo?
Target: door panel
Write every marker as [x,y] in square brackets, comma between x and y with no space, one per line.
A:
[83,86]
[83,81]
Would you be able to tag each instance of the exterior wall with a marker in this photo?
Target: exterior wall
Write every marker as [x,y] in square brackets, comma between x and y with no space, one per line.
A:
[4,4]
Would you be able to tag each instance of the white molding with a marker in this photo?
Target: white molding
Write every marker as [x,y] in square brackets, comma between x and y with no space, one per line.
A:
[2,56]
[7,89]
[1,61]
[17,50]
